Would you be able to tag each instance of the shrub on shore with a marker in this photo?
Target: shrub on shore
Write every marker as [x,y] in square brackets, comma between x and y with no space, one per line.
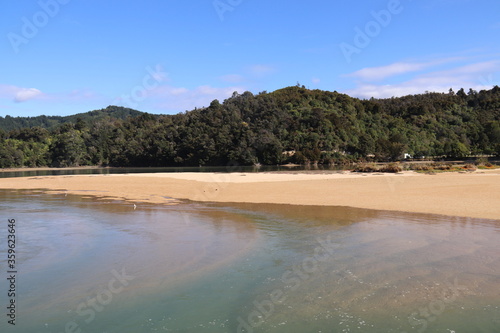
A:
[435,167]
[442,166]
[421,167]
[371,167]
[482,161]
[366,167]
[392,168]
[470,167]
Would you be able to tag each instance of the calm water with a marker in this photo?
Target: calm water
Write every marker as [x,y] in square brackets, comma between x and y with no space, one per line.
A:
[86,265]
[223,169]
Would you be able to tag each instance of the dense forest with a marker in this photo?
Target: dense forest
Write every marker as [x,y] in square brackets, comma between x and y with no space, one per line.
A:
[293,124]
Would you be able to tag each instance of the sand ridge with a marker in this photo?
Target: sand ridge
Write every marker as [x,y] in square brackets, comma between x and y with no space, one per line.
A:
[472,194]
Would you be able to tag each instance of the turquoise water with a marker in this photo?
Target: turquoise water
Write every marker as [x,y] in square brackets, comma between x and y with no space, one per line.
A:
[87,265]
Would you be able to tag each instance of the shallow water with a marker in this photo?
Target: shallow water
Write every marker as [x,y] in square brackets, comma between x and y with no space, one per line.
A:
[217,169]
[87,265]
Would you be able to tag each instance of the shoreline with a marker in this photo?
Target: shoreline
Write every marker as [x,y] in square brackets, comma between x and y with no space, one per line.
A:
[472,194]
[53,169]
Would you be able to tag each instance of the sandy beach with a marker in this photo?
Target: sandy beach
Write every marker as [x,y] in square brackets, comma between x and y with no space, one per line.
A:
[471,194]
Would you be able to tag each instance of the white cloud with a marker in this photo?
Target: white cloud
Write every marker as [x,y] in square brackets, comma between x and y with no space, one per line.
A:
[315,80]
[398,68]
[380,73]
[26,94]
[476,76]
[19,94]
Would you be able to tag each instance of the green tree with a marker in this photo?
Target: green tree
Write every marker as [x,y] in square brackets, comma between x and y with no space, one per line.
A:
[456,149]
[68,149]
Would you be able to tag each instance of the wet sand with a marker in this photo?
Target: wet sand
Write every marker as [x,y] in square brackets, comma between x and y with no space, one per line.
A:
[474,194]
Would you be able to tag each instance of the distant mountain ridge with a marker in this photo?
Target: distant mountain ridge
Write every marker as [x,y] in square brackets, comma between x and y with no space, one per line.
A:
[113,112]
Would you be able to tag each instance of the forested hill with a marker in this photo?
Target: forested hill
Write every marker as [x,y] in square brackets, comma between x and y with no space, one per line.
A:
[12,123]
[293,124]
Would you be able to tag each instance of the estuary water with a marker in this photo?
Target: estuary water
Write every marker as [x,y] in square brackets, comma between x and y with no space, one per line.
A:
[217,169]
[88,265]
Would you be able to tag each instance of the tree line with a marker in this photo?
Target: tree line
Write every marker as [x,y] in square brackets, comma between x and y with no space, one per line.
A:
[12,123]
[293,124]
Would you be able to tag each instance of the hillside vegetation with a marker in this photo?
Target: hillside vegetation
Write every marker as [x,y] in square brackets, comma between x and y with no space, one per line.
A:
[293,124]
[13,123]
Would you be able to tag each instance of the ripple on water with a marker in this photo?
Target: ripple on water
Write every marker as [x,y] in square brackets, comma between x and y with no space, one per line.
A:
[201,267]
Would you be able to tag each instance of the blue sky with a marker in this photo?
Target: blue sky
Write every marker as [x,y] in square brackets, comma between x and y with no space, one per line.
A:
[61,57]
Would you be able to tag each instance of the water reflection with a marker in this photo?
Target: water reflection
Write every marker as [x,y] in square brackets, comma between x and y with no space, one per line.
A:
[106,171]
[219,268]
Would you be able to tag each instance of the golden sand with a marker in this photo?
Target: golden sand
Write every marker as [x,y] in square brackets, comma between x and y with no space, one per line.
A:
[474,194]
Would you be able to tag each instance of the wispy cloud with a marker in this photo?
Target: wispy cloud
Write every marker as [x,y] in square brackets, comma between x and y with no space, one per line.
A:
[19,94]
[27,94]
[465,76]
[261,70]
[232,78]
[398,68]
[250,73]
[78,95]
